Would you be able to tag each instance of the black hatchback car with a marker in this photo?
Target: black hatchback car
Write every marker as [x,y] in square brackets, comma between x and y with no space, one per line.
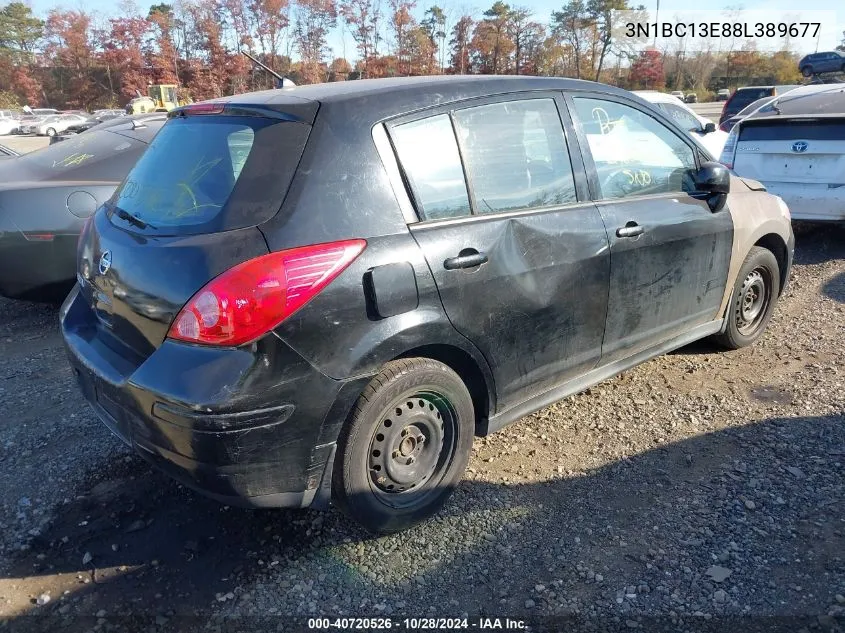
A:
[321,294]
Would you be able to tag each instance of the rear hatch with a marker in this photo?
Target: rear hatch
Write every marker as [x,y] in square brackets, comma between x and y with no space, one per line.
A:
[187,212]
[808,150]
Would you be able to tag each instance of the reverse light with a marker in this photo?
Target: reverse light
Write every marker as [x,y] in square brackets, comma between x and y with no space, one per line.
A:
[254,297]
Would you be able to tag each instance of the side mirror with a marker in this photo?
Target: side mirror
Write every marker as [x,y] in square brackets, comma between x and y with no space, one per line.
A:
[709,127]
[713,180]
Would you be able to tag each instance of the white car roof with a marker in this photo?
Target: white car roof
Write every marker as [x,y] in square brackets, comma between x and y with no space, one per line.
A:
[658,97]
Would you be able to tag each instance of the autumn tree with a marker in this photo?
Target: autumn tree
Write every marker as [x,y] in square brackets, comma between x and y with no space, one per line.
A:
[270,20]
[526,35]
[121,52]
[421,52]
[459,59]
[69,45]
[20,32]
[434,23]
[647,70]
[603,21]
[161,51]
[402,23]
[575,26]
[314,20]
[783,67]
[20,35]
[491,42]
[362,18]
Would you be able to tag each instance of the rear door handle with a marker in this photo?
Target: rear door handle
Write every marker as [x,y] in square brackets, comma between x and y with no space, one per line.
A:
[631,229]
[467,258]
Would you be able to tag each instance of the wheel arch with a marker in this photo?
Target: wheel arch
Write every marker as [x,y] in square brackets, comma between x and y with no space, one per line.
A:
[774,243]
[479,384]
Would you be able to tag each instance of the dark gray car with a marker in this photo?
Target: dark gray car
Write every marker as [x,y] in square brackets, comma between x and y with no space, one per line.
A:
[46,196]
[815,63]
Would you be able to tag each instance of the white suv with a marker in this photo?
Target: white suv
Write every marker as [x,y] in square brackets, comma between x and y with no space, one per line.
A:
[795,146]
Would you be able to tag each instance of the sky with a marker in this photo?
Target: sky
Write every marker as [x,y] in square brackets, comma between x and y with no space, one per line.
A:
[342,44]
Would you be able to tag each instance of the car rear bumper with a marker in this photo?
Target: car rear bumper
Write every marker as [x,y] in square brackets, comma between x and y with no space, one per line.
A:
[811,202]
[36,268]
[254,426]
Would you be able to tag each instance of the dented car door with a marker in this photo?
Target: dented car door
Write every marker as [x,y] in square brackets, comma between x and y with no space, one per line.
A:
[518,252]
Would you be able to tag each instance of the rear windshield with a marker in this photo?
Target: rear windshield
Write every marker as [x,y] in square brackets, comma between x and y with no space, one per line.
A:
[210,173]
[744,96]
[759,103]
[792,130]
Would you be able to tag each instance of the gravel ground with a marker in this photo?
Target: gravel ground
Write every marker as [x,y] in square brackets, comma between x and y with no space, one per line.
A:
[695,489]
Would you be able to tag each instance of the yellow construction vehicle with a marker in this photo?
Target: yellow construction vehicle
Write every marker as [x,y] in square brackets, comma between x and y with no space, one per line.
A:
[160,98]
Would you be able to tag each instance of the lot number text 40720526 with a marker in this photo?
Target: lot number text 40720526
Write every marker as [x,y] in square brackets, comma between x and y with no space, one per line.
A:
[416,624]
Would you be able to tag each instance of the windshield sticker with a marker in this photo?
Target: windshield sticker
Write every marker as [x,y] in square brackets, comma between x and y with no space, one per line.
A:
[73,160]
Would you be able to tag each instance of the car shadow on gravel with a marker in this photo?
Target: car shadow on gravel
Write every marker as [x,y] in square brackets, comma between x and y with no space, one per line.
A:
[637,536]
[835,288]
[818,243]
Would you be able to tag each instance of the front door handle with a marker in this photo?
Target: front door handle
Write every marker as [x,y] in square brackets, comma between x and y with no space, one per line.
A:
[631,229]
[467,258]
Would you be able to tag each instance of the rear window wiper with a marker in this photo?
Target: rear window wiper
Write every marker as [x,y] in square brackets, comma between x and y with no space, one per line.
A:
[133,220]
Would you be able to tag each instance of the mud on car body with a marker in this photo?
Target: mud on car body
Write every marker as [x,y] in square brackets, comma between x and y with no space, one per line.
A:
[321,294]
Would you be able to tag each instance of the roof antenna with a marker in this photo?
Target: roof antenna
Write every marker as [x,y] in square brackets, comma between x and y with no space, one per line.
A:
[281,80]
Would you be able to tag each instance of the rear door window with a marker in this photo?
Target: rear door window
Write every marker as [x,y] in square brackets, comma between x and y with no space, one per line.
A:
[205,174]
[429,155]
[516,155]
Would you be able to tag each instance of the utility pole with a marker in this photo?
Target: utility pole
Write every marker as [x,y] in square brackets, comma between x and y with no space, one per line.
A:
[657,22]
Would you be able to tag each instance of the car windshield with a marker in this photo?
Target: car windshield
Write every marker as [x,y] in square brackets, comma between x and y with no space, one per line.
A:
[681,116]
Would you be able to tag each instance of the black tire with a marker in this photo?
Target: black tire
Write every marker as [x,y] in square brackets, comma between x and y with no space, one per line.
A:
[51,131]
[372,481]
[758,280]
[807,71]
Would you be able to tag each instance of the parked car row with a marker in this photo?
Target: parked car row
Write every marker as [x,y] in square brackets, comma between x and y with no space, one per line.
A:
[320,294]
[49,122]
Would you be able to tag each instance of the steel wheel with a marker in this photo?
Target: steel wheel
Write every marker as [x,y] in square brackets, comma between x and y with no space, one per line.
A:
[754,297]
[411,448]
[405,445]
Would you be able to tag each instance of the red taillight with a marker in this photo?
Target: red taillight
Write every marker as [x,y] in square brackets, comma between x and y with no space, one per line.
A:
[252,298]
[203,108]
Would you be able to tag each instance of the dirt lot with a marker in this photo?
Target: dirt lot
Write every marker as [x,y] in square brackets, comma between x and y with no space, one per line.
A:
[701,484]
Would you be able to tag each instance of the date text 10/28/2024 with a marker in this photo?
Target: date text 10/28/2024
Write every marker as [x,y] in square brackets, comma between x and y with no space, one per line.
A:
[416,624]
